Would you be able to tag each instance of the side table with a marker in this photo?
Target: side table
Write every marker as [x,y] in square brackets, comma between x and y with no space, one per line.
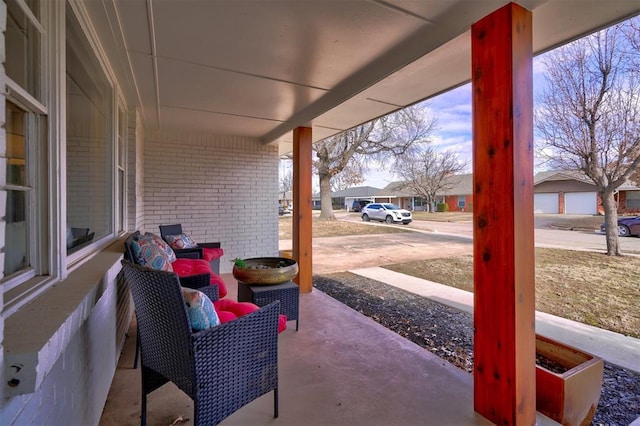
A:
[288,293]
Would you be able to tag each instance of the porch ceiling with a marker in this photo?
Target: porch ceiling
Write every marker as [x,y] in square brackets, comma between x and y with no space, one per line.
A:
[262,68]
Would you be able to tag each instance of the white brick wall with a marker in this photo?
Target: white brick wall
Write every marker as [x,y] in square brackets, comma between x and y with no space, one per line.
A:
[219,188]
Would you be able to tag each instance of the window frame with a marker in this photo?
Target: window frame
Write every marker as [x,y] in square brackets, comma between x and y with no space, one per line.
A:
[462,201]
[49,260]
[22,286]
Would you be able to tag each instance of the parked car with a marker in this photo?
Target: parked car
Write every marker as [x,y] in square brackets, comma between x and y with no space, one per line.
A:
[386,212]
[358,205]
[627,226]
[283,210]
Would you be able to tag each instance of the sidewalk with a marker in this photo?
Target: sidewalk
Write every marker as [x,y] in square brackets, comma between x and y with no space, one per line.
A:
[613,347]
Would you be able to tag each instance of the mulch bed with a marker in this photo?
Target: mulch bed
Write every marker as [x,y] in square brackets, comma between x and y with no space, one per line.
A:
[448,333]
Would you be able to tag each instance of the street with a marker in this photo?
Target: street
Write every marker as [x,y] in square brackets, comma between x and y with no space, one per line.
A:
[544,236]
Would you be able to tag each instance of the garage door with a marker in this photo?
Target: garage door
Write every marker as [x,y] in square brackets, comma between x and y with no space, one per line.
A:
[545,203]
[580,203]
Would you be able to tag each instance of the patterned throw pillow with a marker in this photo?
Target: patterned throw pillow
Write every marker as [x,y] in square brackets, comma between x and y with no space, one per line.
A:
[162,244]
[202,314]
[147,253]
[180,241]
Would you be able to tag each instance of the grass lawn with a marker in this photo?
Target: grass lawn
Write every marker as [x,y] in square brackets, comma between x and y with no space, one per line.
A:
[335,228]
[587,287]
[443,216]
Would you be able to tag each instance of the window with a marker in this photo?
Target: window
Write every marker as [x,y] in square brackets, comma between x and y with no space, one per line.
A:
[90,144]
[462,201]
[95,151]
[25,123]
[23,39]
[18,192]
[633,200]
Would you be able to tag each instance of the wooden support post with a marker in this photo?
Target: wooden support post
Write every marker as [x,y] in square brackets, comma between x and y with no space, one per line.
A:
[302,207]
[504,268]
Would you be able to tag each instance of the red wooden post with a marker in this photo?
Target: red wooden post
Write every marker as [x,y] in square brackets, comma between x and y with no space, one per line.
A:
[302,207]
[504,268]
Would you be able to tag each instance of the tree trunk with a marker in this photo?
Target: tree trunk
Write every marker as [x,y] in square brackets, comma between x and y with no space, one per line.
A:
[611,222]
[326,208]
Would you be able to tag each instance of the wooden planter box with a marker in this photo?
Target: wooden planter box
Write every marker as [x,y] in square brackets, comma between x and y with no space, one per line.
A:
[570,397]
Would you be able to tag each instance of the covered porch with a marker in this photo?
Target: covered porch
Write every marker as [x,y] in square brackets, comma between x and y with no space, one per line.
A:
[340,368]
[186,107]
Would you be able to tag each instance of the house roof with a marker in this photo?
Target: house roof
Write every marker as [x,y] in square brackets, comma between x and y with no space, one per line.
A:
[358,191]
[261,69]
[456,185]
[555,175]
[459,185]
[563,175]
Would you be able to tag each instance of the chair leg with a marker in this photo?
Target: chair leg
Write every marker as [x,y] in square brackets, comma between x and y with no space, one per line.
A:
[143,408]
[135,360]
[275,403]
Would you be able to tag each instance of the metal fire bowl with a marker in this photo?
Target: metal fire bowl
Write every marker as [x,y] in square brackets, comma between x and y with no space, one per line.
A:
[270,276]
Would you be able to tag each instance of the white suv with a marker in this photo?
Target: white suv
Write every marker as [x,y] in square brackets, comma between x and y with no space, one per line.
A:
[386,212]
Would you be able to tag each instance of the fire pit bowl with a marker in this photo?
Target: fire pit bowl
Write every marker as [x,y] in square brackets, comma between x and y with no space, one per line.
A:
[265,270]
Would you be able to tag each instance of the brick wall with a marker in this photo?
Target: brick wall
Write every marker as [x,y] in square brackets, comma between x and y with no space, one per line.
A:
[219,188]
[452,202]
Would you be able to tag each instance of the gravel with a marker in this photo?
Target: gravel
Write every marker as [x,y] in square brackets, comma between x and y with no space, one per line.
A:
[448,333]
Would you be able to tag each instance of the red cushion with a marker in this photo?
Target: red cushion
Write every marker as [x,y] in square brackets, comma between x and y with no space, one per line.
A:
[282,323]
[187,267]
[228,310]
[225,316]
[210,254]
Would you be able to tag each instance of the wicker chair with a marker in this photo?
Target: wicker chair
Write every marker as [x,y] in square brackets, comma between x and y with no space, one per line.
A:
[222,368]
[200,250]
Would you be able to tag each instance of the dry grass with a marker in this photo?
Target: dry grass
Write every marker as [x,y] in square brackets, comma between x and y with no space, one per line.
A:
[336,228]
[587,287]
[443,216]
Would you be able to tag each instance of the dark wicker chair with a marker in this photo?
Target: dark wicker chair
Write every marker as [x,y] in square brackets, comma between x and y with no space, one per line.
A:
[177,229]
[192,281]
[222,368]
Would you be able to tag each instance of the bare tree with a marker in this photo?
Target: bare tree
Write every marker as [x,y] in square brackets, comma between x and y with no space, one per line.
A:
[286,178]
[380,140]
[429,172]
[352,175]
[589,116]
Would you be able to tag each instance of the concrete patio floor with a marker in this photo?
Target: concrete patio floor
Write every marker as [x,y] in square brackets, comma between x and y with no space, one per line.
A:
[340,368]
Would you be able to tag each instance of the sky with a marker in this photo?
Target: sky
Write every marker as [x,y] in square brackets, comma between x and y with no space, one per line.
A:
[452,111]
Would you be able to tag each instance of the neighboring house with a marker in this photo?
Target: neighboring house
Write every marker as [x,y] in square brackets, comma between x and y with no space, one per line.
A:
[285,199]
[555,192]
[459,193]
[569,192]
[395,193]
[346,197]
